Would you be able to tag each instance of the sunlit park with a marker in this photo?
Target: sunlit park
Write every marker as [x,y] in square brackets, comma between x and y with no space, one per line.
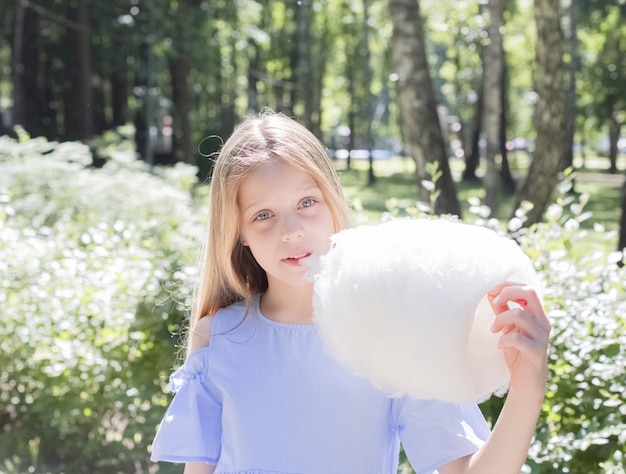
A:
[507,114]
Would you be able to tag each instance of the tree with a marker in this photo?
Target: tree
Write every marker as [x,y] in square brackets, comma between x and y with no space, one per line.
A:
[493,91]
[604,71]
[572,69]
[78,91]
[368,109]
[508,181]
[188,23]
[305,67]
[621,243]
[422,128]
[549,114]
[471,150]
[17,66]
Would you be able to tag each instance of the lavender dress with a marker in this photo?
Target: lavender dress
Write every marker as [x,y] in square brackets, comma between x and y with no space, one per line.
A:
[266,398]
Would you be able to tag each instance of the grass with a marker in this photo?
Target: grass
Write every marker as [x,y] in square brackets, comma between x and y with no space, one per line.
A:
[396,187]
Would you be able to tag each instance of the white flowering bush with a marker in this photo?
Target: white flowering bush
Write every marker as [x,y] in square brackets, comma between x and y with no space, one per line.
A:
[96,268]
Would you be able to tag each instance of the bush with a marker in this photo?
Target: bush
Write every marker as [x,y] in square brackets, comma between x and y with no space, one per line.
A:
[582,428]
[96,267]
[583,424]
[95,278]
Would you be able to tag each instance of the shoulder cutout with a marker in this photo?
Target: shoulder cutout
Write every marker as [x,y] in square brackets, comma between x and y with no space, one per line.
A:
[200,333]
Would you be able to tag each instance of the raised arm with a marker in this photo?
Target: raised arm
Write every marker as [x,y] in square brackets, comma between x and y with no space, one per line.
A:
[525,333]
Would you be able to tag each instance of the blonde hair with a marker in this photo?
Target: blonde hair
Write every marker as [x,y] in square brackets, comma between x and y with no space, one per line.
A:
[228,271]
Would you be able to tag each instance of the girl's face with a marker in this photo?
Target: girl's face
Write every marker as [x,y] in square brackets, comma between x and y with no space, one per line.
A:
[283,219]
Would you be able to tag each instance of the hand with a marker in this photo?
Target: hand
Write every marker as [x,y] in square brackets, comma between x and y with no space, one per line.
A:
[525,329]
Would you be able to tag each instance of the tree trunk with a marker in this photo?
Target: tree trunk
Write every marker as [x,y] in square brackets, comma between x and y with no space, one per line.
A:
[508,182]
[31,77]
[324,41]
[472,150]
[621,244]
[615,130]
[100,123]
[305,70]
[140,120]
[119,86]
[227,83]
[350,145]
[493,75]
[549,114]
[369,101]
[78,113]
[180,68]
[422,128]
[320,73]
[254,66]
[17,66]
[226,106]
[49,114]
[570,101]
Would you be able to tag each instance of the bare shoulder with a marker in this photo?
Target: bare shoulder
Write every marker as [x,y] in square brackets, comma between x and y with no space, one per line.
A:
[200,333]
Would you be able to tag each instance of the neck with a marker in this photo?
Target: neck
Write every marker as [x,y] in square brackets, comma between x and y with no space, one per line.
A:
[292,305]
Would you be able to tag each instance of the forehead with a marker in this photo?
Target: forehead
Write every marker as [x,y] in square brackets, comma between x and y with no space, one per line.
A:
[274,180]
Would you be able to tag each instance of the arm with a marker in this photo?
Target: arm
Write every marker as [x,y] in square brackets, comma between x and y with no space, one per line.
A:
[199,337]
[198,468]
[525,333]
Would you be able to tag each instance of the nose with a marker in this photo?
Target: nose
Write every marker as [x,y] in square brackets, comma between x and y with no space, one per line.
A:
[292,229]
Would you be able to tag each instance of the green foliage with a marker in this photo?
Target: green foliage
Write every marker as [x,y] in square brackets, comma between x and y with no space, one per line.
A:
[96,266]
[582,427]
[94,284]
[583,424]
[603,86]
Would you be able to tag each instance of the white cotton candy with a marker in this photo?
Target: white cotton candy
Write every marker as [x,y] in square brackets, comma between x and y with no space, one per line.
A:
[403,304]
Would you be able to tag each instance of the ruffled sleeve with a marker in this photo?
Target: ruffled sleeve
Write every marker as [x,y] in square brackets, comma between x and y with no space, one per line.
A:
[191,428]
[435,433]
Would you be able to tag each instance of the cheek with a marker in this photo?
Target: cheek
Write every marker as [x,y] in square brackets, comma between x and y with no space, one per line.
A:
[329,230]
[256,238]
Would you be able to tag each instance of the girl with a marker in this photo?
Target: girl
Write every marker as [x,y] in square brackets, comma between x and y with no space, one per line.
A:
[258,394]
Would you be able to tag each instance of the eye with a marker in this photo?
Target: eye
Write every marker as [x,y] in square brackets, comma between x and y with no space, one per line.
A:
[262,216]
[308,202]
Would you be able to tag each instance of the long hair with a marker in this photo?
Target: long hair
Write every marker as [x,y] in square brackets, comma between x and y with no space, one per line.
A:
[228,271]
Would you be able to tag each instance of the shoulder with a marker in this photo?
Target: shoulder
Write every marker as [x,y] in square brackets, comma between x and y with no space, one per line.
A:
[224,320]
[201,333]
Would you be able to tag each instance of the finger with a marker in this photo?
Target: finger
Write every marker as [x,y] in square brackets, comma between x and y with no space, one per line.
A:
[520,302]
[518,319]
[520,295]
[522,343]
[498,300]
[497,289]
[507,321]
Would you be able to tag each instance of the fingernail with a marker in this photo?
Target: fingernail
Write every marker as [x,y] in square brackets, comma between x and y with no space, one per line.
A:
[496,300]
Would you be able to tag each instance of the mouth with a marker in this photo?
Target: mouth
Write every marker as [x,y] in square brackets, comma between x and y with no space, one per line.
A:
[296,259]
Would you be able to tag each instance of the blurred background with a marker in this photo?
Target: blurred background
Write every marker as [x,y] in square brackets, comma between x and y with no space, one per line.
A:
[508,114]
